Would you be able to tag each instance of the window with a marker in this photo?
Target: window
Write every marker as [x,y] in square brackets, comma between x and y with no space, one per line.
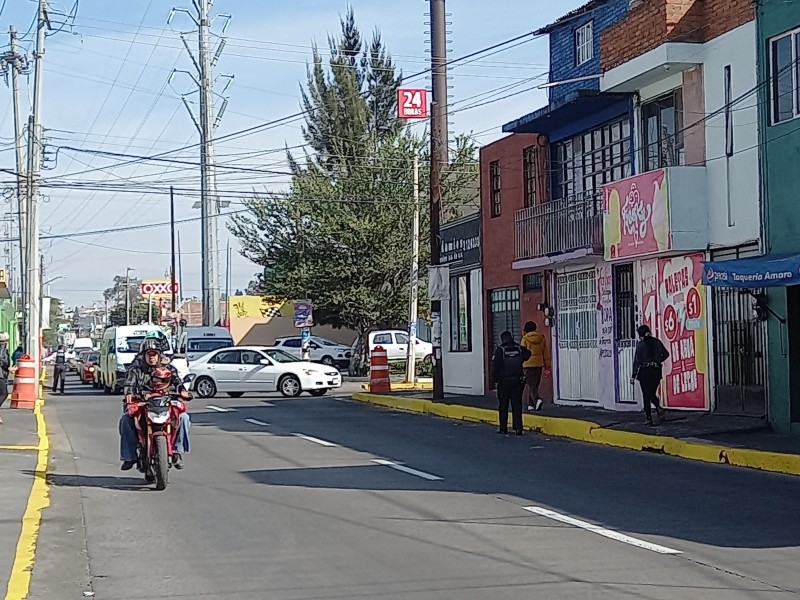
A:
[292,343]
[208,345]
[584,44]
[230,357]
[529,157]
[504,313]
[401,338]
[494,176]
[662,128]
[250,357]
[532,282]
[382,339]
[785,77]
[460,317]
[586,162]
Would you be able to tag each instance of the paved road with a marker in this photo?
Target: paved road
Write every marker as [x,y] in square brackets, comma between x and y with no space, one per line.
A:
[284,499]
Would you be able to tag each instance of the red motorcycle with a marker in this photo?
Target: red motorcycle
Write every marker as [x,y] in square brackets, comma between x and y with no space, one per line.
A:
[156,416]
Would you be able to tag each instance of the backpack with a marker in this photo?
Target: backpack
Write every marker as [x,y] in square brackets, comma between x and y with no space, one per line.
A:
[512,361]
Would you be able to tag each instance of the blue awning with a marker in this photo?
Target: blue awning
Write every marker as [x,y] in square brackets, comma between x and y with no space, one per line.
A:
[757,272]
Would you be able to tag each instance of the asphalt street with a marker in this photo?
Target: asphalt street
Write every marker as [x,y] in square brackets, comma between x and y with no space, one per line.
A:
[326,498]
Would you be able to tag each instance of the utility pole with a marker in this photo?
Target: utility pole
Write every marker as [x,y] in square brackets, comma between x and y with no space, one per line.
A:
[33,279]
[17,64]
[206,125]
[172,248]
[439,158]
[411,356]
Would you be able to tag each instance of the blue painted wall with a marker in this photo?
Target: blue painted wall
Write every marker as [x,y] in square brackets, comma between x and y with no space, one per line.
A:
[562,49]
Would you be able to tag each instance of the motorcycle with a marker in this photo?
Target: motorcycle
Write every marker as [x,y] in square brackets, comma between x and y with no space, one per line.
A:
[156,417]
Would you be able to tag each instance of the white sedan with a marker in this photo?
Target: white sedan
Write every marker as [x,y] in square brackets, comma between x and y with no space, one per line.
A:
[236,371]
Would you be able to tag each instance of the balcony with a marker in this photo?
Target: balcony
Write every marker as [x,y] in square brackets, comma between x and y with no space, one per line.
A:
[560,226]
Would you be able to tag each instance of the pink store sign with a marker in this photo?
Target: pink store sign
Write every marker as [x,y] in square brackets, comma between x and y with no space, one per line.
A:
[636,216]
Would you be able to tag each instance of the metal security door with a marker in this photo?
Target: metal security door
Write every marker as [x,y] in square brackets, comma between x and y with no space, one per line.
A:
[577,336]
[740,354]
[625,331]
[504,311]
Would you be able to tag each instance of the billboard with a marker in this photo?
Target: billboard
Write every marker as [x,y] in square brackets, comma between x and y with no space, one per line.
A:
[412,104]
[157,288]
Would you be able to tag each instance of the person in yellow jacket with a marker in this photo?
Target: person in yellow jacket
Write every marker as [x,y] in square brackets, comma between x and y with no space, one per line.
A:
[536,365]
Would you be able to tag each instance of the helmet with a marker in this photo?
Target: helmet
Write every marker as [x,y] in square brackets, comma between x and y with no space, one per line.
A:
[148,345]
[3,337]
[160,379]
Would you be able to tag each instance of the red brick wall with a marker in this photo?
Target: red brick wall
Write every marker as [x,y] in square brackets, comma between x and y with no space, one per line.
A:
[652,22]
[497,234]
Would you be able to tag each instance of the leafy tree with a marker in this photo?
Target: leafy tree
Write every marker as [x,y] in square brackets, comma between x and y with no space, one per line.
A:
[341,235]
[57,318]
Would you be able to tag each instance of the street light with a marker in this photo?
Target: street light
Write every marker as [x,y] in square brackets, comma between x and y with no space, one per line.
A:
[49,281]
[128,295]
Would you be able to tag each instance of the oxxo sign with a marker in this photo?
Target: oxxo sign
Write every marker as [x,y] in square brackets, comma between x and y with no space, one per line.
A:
[412,104]
[157,289]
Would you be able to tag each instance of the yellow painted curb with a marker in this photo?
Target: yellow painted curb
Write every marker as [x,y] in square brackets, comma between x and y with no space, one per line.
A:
[404,387]
[19,448]
[22,570]
[587,431]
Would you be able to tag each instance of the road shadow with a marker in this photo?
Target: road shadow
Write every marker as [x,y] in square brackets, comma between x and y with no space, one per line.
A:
[123,484]
[361,477]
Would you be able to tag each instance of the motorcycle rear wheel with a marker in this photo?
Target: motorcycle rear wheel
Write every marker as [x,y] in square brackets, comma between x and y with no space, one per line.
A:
[161,466]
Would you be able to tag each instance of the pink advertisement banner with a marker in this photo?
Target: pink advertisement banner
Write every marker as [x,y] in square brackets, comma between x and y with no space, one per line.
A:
[636,216]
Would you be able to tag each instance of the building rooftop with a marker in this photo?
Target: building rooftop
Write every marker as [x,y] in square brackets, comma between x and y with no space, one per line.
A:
[578,12]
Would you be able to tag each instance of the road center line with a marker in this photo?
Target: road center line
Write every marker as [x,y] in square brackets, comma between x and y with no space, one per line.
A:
[315,440]
[614,535]
[405,469]
[257,422]
[219,409]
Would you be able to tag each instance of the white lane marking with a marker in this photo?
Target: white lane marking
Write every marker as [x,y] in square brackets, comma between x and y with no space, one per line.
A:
[315,440]
[614,535]
[219,409]
[257,422]
[268,404]
[405,469]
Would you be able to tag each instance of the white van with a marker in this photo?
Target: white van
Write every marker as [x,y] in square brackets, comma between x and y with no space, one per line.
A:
[75,349]
[195,342]
[118,349]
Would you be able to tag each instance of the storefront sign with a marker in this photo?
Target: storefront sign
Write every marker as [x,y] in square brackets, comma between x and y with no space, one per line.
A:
[755,272]
[636,216]
[605,335]
[303,314]
[683,322]
[255,307]
[461,245]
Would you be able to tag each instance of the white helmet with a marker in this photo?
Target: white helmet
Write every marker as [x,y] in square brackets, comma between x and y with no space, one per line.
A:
[3,337]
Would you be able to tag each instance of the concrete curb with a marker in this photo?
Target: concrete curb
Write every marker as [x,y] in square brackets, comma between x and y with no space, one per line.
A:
[587,431]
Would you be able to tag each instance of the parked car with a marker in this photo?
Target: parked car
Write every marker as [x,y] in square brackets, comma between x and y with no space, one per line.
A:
[322,350]
[237,371]
[395,342]
[87,366]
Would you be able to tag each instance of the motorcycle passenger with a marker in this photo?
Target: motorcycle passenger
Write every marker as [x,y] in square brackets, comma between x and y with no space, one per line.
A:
[147,373]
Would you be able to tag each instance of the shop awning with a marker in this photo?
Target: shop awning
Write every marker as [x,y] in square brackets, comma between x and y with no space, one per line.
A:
[757,272]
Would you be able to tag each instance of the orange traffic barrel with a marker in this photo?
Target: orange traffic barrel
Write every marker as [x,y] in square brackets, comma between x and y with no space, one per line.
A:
[379,382]
[25,390]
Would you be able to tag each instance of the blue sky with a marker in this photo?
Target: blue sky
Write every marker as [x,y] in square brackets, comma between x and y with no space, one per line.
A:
[106,88]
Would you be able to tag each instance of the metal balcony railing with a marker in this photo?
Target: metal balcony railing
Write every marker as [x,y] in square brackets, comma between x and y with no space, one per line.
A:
[560,226]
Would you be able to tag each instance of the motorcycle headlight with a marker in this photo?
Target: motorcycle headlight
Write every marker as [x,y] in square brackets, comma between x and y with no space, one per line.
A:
[158,417]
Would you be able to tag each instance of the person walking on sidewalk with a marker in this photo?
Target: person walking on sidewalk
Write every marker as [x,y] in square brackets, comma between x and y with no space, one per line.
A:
[5,365]
[538,363]
[508,376]
[60,368]
[650,355]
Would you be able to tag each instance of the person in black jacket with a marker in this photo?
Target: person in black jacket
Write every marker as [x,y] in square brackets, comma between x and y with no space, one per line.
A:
[60,369]
[509,378]
[650,355]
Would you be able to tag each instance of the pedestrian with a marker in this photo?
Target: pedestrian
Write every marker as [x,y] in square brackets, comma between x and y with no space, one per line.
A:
[535,366]
[509,378]
[17,353]
[650,356]
[60,369]
[5,365]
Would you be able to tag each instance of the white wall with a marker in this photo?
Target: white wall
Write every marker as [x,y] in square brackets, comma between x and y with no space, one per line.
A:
[738,174]
[464,371]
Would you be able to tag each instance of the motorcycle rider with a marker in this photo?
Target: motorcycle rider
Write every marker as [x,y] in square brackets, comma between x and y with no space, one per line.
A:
[141,378]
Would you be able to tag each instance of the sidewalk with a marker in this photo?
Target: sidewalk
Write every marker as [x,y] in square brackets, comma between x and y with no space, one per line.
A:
[739,441]
[18,458]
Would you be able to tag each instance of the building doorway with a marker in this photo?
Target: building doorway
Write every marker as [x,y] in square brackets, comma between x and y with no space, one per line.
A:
[577,336]
[740,354]
[624,330]
[504,314]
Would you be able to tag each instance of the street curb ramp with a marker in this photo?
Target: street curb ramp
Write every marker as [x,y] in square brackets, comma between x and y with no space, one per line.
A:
[590,432]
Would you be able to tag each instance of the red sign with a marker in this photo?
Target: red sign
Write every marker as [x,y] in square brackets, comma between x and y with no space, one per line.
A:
[412,104]
[157,288]
[683,325]
[636,216]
